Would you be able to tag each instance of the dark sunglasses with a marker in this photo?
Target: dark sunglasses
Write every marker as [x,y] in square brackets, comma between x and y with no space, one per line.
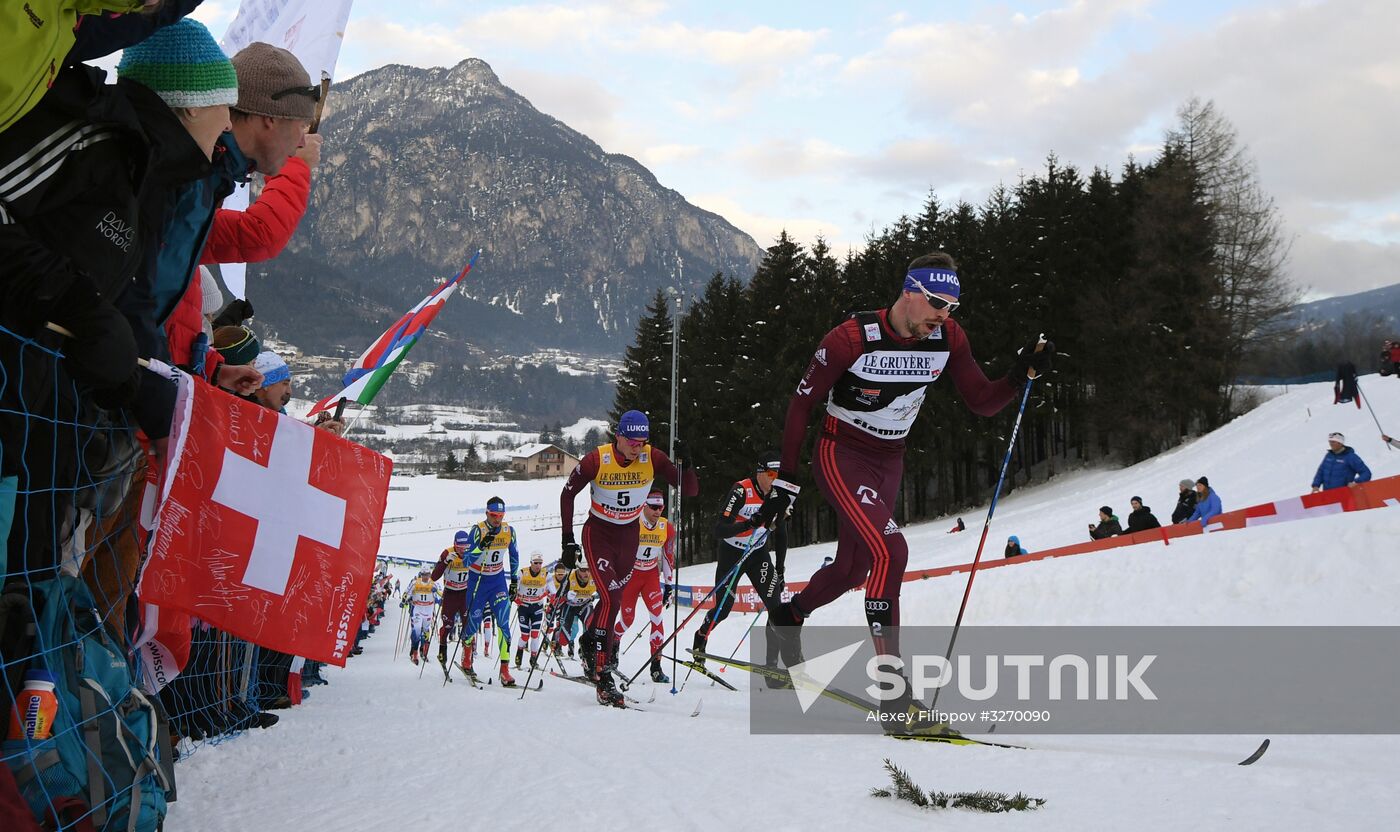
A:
[313,93]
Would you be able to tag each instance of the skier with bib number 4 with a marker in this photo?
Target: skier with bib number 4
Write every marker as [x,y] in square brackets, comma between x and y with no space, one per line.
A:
[619,475]
[656,543]
[872,373]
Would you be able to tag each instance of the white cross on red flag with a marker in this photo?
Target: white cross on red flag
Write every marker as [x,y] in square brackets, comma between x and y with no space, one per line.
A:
[268,528]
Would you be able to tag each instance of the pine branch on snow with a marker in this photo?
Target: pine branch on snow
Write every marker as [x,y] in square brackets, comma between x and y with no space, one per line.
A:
[981,801]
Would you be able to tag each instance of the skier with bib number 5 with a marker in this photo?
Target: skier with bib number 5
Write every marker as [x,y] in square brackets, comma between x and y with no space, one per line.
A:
[872,373]
[619,476]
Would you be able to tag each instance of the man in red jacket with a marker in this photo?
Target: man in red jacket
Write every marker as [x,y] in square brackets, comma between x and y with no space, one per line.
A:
[872,372]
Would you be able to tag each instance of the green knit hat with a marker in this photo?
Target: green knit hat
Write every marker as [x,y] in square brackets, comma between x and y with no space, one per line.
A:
[183,65]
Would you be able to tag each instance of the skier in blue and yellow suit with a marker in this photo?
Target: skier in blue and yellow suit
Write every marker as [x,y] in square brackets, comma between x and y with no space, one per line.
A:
[488,544]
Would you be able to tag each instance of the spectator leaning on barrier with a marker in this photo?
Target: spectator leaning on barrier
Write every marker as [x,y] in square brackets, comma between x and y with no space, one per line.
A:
[86,173]
[276,102]
[1108,525]
[1340,466]
[1185,502]
[1207,503]
[1141,518]
[1013,547]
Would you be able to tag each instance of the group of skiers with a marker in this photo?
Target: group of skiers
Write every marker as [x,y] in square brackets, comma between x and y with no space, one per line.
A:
[481,579]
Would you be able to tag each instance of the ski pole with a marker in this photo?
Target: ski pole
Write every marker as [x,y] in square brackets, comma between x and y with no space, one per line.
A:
[398,641]
[471,606]
[745,638]
[635,639]
[700,605]
[1367,400]
[728,593]
[544,645]
[986,526]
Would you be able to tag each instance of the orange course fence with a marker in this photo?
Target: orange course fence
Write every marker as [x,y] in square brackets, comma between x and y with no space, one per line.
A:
[1375,494]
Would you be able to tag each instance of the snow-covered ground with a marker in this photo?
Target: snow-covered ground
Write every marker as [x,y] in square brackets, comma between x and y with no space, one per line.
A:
[381,745]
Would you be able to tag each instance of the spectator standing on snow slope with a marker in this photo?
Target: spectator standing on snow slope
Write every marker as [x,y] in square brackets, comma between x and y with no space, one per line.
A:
[1185,502]
[1141,518]
[1108,525]
[619,476]
[752,519]
[1013,547]
[1340,466]
[1207,503]
[873,372]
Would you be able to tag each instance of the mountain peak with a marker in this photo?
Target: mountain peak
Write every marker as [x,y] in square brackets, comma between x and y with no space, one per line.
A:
[423,166]
[474,70]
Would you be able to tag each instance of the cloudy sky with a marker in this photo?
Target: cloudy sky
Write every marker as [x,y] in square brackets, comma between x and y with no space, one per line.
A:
[834,118]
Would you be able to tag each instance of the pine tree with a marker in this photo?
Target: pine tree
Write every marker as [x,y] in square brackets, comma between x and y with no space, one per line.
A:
[449,465]
[645,380]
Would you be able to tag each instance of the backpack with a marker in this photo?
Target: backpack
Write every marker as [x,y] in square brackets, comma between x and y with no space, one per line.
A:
[107,760]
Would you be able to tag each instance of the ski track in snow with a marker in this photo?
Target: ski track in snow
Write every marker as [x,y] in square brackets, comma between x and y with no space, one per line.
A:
[380,745]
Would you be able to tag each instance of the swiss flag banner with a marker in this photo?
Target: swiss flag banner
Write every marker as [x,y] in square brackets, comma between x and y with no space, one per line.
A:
[267,527]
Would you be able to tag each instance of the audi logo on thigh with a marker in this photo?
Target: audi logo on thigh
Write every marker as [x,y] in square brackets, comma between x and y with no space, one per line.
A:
[877,606]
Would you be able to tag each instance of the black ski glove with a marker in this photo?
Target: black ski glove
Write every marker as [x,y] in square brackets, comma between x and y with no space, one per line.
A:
[1029,359]
[680,452]
[569,554]
[102,350]
[666,595]
[514,585]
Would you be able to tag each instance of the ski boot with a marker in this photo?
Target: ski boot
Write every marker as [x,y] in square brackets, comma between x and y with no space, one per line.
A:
[519,656]
[571,649]
[588,652]
[611,667]
[784,628]
[423,652]
[507,681]
[657,674]
[772,659]
[534,661]
[607,690]
[413,657]
[442,654]
[467,666]
[700,645]
[903,717]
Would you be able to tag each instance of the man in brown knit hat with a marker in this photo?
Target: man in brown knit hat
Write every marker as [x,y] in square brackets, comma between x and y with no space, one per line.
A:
[276,102]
